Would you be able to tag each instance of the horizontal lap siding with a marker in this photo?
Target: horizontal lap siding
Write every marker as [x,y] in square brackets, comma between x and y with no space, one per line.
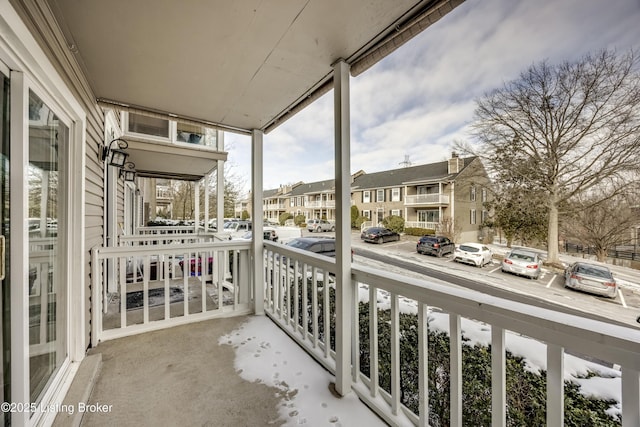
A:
[46,31]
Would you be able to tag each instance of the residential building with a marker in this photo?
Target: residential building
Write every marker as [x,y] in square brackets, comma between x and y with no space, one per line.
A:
[277,201]
[445,196]
[99,96]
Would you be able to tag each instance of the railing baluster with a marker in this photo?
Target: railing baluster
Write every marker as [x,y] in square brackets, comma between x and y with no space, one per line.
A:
[498,378]
[373,340]
[287,292]
[314,306]
[326,313]
[423,363]
[630,397]
[281,282]
[186,270]
[236,279]
[355,332]
[296,300]
[166,266]
[455,350]
[555,386]
[122,273]
[395,355]
[305,303]
[203,282]
[146,274]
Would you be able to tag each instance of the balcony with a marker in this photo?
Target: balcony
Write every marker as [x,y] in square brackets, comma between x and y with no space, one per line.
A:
[321,204]
[426,199]
[275,206]
[301,296]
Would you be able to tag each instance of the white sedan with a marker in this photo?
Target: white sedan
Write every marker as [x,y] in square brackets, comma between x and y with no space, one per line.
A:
[473,253]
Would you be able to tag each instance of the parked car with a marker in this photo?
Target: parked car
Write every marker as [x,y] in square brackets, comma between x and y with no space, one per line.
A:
[319,225]
[473,253]
[320,245]
[523,263]
[592,278]
[269,233]
[380,235]
[435,245]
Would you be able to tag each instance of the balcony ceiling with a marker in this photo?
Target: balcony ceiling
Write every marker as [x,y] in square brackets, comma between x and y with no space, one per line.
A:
[241,64]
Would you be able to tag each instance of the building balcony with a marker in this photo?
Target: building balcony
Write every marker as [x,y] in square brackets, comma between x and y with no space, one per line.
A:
[321,204]
[299,293]
[275,207]
[426,199]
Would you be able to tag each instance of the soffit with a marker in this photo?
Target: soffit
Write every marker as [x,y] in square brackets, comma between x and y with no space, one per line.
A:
[242,64]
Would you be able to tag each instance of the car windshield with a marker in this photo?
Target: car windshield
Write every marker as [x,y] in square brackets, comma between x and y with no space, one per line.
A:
[300,244]
[229,225]
[591,270]
[247,235]
[469,248]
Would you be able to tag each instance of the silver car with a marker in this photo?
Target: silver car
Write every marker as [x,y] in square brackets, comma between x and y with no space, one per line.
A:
[591,278]
[523,263]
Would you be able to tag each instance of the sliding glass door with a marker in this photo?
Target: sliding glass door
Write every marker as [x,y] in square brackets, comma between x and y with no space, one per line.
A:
[48,142]
[5,297]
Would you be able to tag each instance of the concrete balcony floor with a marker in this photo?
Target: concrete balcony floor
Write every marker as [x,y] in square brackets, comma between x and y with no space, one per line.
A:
[178,376]
[216,373]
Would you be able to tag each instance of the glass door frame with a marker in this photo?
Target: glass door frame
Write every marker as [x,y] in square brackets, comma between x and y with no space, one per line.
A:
[30,70]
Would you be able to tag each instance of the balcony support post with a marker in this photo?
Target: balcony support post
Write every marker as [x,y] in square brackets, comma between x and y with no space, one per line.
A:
[196,210]
[343,227]
[555,385]
[256,216]
[220,184]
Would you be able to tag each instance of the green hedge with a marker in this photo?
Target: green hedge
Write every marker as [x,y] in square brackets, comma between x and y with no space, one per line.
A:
[415,231]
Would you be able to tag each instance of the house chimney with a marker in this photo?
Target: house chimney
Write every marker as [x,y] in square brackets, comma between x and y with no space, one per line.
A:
[455,163]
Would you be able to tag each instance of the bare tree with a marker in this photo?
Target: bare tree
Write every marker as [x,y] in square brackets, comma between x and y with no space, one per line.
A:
[563,130]
[603,222]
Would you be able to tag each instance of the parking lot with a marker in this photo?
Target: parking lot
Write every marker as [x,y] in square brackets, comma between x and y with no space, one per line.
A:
[625,307]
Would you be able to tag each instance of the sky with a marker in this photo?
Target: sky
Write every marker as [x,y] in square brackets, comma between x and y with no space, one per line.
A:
[265,354]
[419,100]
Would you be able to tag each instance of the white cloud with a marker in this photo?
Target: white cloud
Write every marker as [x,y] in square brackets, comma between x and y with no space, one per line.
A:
[420,99]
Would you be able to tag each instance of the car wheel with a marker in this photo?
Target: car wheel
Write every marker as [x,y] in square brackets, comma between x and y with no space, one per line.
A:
[333,229]
[439,254]
[380,240]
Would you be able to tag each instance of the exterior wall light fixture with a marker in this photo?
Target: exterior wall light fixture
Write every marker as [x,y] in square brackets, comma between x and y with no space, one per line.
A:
[117,156]
[128,171]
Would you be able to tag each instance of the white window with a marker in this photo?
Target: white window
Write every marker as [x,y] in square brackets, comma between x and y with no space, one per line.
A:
[395,212]
[366,214]
[472,192]
[473,216]
[380,196]
[484,194]
[395,194]
[366,197]
[148,125]
[484,216]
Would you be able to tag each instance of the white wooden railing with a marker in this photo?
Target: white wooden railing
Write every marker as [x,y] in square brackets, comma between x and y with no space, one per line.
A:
[159,286]
[168,229]
[422,224]
[426,199]
[320,204]
[298,299]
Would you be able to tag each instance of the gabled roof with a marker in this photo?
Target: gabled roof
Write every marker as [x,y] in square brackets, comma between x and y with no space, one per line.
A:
[432,172]
[267,194]
[314,187]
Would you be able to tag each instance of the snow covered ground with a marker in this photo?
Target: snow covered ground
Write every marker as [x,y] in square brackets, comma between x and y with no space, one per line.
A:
[265,354]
